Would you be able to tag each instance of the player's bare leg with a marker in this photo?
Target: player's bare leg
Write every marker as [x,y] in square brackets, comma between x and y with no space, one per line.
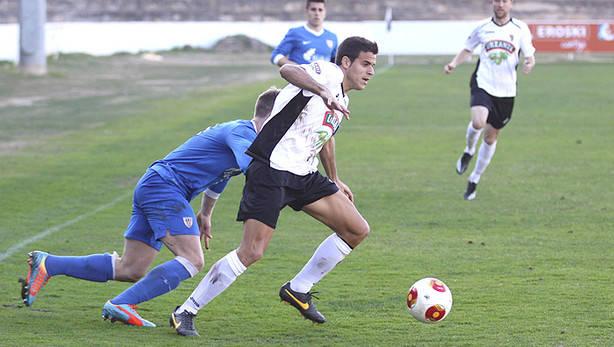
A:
[162,279]
[338,213]
[134,262]
[256,238]
[479,115]
[130,267]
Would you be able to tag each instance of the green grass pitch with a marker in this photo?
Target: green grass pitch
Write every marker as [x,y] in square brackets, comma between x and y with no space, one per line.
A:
[529,262]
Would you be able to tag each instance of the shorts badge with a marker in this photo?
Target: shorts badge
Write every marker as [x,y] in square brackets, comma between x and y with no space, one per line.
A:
[188,221]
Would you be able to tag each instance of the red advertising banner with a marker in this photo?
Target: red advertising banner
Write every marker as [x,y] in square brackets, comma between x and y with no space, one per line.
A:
[595,36]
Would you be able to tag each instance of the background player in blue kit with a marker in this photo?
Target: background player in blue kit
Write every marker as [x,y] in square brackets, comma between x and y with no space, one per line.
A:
[162,215]
[307,43]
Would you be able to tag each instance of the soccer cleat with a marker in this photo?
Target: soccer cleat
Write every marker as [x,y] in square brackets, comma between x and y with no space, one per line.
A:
[124,313]
[183,323]
[37,277]
[470,192]
[302,302]
[463,163]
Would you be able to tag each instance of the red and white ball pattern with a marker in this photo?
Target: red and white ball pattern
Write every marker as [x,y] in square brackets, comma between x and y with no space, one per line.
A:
[429,300]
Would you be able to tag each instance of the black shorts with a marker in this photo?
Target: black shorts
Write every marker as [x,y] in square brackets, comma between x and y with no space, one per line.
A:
[267,191]
[499,109]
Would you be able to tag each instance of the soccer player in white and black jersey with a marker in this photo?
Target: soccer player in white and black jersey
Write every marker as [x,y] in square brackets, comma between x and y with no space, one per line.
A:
[493,84]
[306,115]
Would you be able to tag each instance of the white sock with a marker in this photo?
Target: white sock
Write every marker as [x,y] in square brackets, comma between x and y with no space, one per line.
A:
[484,157]
[221,275]
[330,252]
[472,138]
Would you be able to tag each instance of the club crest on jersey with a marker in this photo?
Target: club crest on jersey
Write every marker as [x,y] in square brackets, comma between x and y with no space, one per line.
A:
[331,120]
[500,44]
[188,221]
[329,43]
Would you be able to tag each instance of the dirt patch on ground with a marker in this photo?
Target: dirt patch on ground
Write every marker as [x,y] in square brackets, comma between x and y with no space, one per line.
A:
[80,89]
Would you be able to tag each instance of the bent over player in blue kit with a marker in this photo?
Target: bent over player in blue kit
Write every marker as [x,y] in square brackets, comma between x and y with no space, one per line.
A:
[161,214]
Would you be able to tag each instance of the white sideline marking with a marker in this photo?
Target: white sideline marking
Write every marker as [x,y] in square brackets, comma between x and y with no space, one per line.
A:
[16,247]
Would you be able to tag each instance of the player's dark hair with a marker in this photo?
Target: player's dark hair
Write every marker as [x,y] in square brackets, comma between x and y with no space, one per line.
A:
[352,46]
[265,101]
[310,1]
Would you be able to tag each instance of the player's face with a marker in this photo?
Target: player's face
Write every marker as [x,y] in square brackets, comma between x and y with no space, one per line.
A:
[502,8]
[360,71]
[316,12]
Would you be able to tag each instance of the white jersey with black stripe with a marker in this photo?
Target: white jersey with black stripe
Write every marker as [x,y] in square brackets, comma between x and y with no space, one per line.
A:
[499,56]
[301,123]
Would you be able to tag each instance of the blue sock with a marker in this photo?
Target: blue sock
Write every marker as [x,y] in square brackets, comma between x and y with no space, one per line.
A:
[160,280]
[95,267]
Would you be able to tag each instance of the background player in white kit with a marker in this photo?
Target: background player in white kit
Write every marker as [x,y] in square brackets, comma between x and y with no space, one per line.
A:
[306,115]
[493,84]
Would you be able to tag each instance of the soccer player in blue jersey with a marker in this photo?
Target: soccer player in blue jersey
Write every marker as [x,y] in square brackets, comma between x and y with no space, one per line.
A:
[307,43]
[162,214]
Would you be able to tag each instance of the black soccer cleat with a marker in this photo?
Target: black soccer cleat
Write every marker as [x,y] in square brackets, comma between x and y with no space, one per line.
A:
[183,323]
[302,302]
[470,192]
[463,163]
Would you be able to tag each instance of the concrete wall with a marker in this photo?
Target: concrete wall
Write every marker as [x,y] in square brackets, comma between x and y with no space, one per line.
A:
[290,10]
[406,37]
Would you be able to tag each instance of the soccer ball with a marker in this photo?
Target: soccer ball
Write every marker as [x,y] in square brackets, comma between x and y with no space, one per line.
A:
[429,300]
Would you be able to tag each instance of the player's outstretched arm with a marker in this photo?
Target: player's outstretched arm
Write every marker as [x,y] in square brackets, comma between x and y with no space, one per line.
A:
[460,58]
[327,157]
[204,218]
[297,76]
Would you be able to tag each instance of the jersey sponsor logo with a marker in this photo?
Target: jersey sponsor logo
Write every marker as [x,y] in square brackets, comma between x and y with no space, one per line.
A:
[498,57]
[331,120]
[502,50]
[500,44]
[188,221]
[329,43]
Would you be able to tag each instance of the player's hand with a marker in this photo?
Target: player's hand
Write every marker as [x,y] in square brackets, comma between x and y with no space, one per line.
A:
[344,189]
[204,226]
[449,68]
[332,103]
[529,63]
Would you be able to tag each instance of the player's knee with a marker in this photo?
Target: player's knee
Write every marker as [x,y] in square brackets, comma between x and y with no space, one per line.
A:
[361,230]
[478,124]
[364,229]
[197,262]
[250,256]
[490,140]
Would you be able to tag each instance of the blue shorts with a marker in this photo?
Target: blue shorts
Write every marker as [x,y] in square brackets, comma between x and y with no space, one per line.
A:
[159,208]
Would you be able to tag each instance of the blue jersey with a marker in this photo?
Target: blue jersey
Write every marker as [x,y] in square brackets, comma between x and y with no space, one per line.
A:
[208,159]
[303,46]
